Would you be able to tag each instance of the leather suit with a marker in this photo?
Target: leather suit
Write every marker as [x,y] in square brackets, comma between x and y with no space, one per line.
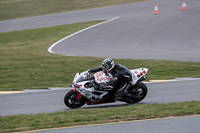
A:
[122,79]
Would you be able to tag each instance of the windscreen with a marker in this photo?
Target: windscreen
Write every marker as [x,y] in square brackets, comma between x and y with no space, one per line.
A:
[83,76]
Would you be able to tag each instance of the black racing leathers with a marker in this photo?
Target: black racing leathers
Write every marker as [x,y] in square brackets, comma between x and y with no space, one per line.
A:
[122,79]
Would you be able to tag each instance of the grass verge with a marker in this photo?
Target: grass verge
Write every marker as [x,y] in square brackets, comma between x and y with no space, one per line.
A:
[11,9]
[26,64]
[98,115]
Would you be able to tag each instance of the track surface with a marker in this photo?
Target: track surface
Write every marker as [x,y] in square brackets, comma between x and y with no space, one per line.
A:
[137,34]
[52,101]
[169,125]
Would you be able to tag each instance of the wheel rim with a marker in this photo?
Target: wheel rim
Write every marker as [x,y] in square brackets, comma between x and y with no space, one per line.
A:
[73,100]
[137,94]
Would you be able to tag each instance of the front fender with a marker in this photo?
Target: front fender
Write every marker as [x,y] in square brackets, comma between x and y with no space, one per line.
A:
[74,89]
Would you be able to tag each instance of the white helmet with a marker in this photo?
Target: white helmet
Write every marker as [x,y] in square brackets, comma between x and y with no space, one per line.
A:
[107,65]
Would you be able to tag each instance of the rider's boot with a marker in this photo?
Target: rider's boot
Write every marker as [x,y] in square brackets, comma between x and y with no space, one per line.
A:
[121,93]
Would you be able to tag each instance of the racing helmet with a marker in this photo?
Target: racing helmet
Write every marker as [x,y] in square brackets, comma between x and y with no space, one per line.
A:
[107,65]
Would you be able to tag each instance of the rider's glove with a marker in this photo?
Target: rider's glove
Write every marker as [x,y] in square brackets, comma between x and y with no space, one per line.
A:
[89,71]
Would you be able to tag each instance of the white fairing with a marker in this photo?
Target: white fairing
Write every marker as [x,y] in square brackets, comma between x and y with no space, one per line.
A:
[85,90]
[80,77]
[138,73]
[102,78]
[89,92]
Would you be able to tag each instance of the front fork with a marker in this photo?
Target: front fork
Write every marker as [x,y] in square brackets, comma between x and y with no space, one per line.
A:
[79,94]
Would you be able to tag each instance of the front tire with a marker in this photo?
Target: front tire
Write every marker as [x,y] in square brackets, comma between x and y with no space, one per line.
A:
[137,93]
[71,100]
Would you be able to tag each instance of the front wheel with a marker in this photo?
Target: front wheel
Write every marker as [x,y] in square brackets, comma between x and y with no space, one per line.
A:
[71,100]
[137,93]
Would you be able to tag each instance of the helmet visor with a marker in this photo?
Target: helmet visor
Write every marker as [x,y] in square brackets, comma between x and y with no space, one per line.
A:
[105,68]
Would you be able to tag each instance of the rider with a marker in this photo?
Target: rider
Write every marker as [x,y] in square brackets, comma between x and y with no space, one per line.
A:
[122,77]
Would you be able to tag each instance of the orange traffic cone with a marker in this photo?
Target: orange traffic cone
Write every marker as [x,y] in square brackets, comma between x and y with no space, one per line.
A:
[184,6]
[156,9]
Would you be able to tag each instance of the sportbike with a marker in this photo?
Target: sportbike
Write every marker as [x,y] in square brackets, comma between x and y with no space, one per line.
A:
[84,83]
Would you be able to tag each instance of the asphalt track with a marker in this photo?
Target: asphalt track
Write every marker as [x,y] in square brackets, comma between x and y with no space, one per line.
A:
[137,33]
[166,125]
[52,101]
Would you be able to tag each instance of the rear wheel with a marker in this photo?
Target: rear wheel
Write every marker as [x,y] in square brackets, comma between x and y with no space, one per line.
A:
[71,100]
[137,93]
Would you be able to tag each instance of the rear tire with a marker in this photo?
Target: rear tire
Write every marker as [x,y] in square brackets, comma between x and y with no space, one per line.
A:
[71,100]
[137,93]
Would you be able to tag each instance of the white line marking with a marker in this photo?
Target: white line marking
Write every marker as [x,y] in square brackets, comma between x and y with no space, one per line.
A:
[53,45]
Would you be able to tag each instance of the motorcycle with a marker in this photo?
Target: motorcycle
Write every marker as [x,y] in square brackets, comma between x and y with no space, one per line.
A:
[84,83]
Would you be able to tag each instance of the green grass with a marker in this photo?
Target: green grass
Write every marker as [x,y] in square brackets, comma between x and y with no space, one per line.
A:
[26,64]
[11,9]
[97,115]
